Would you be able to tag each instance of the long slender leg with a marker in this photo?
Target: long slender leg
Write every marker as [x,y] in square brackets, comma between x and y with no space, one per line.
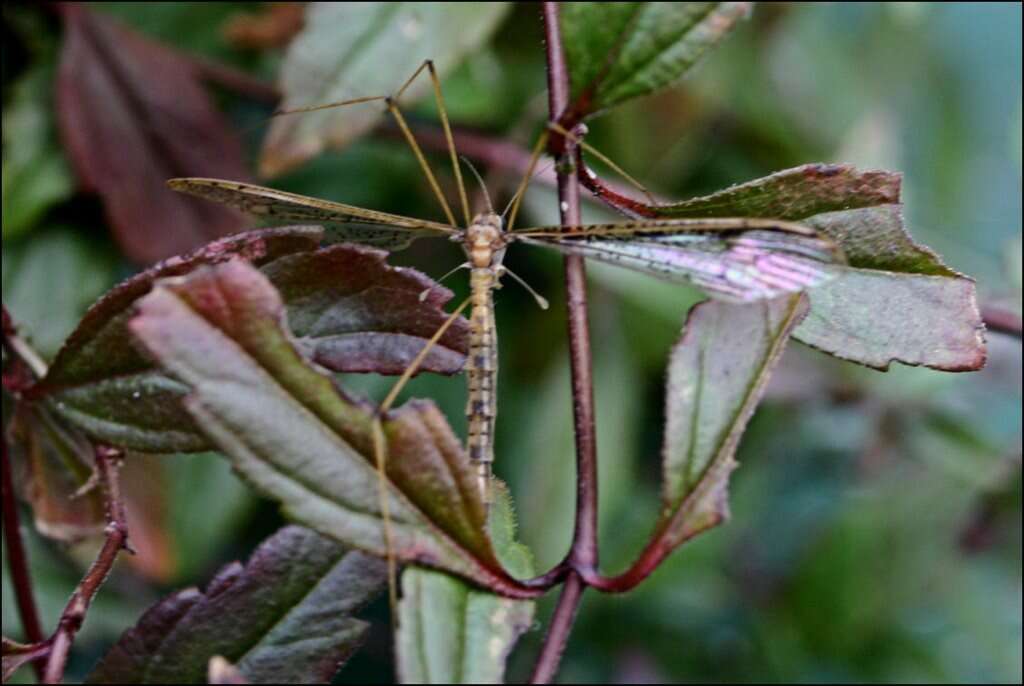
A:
[591,150]
[380,454]
[443,112]
[391,102]
[517,199]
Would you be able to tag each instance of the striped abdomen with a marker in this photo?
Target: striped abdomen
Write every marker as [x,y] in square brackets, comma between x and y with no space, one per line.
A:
[482,377]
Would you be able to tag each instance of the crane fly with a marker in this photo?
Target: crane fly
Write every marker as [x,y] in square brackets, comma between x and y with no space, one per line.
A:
[739,260]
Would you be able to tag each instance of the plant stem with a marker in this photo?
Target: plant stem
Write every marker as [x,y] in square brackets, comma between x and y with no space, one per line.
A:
[561,625]
[232,79]
[17,560]
[71,619]
[584,552]
[1001,320]
[17,556]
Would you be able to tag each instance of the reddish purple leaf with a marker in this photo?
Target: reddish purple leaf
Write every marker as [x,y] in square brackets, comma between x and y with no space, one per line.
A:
[101,383]
[350,312]
[222,332]
[285,617]
[132,114]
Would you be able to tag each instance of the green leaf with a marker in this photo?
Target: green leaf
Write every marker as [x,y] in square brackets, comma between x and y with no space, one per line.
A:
[617,51]
[101,383]
[451,633]
[49,281]
[35,174]
[353,50]
[502,525]
[875,318]
[285,617]
[297,439]
[896,301]
[206,506]
[717,374]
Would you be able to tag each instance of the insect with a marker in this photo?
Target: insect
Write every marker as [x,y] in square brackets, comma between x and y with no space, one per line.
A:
[741,259]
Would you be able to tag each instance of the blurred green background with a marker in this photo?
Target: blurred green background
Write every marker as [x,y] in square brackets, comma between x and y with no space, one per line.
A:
[876,531]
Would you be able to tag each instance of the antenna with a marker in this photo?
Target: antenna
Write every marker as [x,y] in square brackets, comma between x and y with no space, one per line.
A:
[542,302]
[487,196]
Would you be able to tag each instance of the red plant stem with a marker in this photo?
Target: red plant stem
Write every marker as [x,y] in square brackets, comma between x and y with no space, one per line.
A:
[649,560]
[583,556]
[17,561]
[558,633]
[1001,320]
[71,619]
[17,556]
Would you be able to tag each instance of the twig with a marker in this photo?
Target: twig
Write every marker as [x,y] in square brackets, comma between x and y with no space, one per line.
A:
[21,351]
[558,633]
[17,561]
[584,552]
[71,619]
[17,556]
[232,79]
[1001,320]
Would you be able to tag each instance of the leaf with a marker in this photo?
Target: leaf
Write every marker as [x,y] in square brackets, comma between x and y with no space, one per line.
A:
[717,374]
[132,115]
[451,633]
[221,332]
[220,671]
[272,26]
[35,174]
[897,301]
[617,51]
[49,281]
[17,655]
[53,462]
[351,311]
[353,50]
[502,526]
[102,384]
[285,617]
[876,318]
[146,482]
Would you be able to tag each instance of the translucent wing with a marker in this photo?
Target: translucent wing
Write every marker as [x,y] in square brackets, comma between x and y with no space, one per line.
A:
[739,260]
[349,223]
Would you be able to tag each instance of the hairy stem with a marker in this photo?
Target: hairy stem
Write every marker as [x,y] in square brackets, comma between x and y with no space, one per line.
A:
[71,619]
[17,561]
[558,632]
[584,553]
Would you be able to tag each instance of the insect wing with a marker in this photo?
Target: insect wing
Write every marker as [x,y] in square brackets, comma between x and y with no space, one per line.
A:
[348,223]
[756,262]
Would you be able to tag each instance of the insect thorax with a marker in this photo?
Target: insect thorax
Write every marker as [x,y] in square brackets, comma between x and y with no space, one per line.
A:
[485,241]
